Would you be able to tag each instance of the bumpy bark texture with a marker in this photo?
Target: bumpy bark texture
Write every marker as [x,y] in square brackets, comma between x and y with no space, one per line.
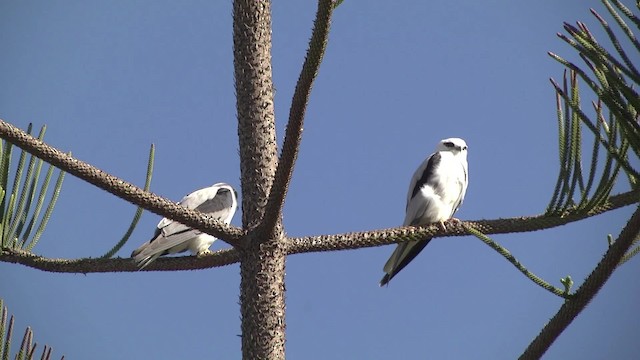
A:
[263,252]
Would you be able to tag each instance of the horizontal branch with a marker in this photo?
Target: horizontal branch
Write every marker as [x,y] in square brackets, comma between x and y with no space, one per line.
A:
[102,265]
[353,240]
[122,189]
[357,240]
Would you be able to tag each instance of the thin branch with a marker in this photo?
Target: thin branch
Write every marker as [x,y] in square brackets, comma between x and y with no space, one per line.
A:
[118,187]
[319,243]
[293,134]
[512,259]
[630,255]
[592,285]
[612,36]
[621,22]
[609,147]
[104,265]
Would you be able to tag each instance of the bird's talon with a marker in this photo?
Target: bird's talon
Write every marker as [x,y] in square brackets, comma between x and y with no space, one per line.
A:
[204,252]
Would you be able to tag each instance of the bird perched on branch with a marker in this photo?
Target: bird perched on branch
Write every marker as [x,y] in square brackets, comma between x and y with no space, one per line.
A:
[218,200]
[436,192]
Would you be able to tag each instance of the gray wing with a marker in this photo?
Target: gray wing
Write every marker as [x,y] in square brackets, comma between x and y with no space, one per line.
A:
[161,245]
[464,183]
[221,206]
[424,175]
[172,236]
[214,199]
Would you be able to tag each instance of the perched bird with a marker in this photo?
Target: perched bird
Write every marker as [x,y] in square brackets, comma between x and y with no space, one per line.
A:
[172,237]
[436,192]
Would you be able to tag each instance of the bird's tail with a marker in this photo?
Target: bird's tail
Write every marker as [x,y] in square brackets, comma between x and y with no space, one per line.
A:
[137,251]
[385,279]
[145,254]
[401,257]
[142,255]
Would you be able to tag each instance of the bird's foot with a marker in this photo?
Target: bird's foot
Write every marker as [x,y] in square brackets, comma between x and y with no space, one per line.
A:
[455,221]
[204,252]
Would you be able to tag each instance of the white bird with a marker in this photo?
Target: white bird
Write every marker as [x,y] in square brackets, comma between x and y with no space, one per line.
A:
[436,192]
[171,237]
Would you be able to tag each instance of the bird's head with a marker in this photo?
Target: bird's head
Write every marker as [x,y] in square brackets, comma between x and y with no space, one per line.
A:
[224,188]
[454,145]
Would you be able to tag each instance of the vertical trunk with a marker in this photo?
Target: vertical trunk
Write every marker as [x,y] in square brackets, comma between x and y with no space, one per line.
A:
[262,299]
[254,97]
[263,256]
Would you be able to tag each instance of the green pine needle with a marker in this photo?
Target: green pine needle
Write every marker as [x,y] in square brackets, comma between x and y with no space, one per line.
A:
[20,208]
[139,210]
[27,346]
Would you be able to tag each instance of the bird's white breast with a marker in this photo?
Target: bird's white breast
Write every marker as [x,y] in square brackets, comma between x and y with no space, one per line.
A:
[438,199]
[452,176]
[200,243]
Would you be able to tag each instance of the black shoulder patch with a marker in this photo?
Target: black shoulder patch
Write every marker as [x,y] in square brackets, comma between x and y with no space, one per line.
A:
[433,163]
[155,235]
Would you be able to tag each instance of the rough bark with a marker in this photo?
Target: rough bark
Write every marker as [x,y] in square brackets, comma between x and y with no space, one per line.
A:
[262,256]
[587,291]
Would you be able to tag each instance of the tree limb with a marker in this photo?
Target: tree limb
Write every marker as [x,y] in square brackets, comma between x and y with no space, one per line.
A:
[357,240]
[119,187]
[105,265]
[293,134]
[297,245]
[592,285]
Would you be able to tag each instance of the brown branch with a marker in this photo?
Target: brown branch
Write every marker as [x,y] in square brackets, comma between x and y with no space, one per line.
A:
[592,285]
[120,188]
[101,265]
[373,238]
[293,134]
[337,242]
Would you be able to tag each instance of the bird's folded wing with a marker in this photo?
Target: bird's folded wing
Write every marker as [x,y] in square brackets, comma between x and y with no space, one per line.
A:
[162,244]
[219,207]
[205,201]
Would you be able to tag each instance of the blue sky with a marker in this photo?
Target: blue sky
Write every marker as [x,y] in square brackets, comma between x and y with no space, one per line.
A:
[110,78]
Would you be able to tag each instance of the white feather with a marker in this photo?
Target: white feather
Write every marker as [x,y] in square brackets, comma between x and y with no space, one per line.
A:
[436,191]
[172,237]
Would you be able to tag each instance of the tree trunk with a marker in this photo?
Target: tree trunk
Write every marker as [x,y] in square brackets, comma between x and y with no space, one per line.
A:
[262,263]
